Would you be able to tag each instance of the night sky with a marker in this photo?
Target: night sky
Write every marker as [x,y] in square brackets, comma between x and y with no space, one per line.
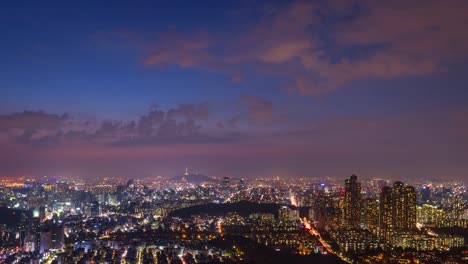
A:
[234,88]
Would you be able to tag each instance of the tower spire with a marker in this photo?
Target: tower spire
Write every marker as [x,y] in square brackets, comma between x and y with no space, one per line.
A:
[186,172]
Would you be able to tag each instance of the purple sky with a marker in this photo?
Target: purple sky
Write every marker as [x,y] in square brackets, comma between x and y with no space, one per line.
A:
[234,88]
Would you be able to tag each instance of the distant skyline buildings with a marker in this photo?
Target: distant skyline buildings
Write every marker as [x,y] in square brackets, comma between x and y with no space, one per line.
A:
[353,218]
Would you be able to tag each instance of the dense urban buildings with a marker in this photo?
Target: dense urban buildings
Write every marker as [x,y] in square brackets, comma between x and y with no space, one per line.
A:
[199,219]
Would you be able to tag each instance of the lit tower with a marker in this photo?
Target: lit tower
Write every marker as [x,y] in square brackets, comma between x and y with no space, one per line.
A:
[410,208]
[352,203]
[397,209]
[404,202]
[399,205]
[386,212]
[370,214]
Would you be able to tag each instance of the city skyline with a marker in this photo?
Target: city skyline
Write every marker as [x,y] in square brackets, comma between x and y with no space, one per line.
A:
[242,89]
[193,219]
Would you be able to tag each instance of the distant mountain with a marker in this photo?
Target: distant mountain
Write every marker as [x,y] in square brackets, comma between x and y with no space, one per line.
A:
[194,178]
[243,208]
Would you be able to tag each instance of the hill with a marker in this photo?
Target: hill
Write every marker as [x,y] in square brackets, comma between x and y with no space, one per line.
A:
[243,208]
[12,217]
[257,253]
[194,178]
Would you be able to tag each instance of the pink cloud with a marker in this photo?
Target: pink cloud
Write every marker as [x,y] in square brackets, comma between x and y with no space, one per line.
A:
[415,38]
[258,110]
[184,51]
[385,145]
[237,77]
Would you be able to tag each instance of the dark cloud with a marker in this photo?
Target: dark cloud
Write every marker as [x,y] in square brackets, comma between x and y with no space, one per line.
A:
[231,123]
[158,126]
[180,124]
[189,112]
[148,121]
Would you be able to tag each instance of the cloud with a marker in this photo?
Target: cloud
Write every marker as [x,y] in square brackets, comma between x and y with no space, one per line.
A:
[414,144]
[31,120]
[408,38]
[237,77]
[258,110]
[408,26]
[320,47]
[189,112]
[184,51]
[35,127]
[157,126]
[179,124]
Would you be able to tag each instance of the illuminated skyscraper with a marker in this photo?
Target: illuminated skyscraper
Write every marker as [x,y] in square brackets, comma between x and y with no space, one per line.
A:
[404,203]
[370,216]
[397,209]
[386,212]
[410,208]
[352,203]
[398,194]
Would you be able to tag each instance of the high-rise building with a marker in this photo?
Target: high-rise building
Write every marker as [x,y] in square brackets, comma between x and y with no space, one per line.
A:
[386,212]
[32,240]
[58,236]
[30,243]
[352,203]
[397,209]
[404,202]
[370,214]
[52,236]
[399,206]
[46,240]
[410,213]
[327,210]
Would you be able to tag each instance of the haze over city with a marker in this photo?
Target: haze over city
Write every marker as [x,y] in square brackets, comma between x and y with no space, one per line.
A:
[234,88]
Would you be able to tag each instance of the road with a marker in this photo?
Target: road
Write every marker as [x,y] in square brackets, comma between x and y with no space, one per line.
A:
[314,232]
